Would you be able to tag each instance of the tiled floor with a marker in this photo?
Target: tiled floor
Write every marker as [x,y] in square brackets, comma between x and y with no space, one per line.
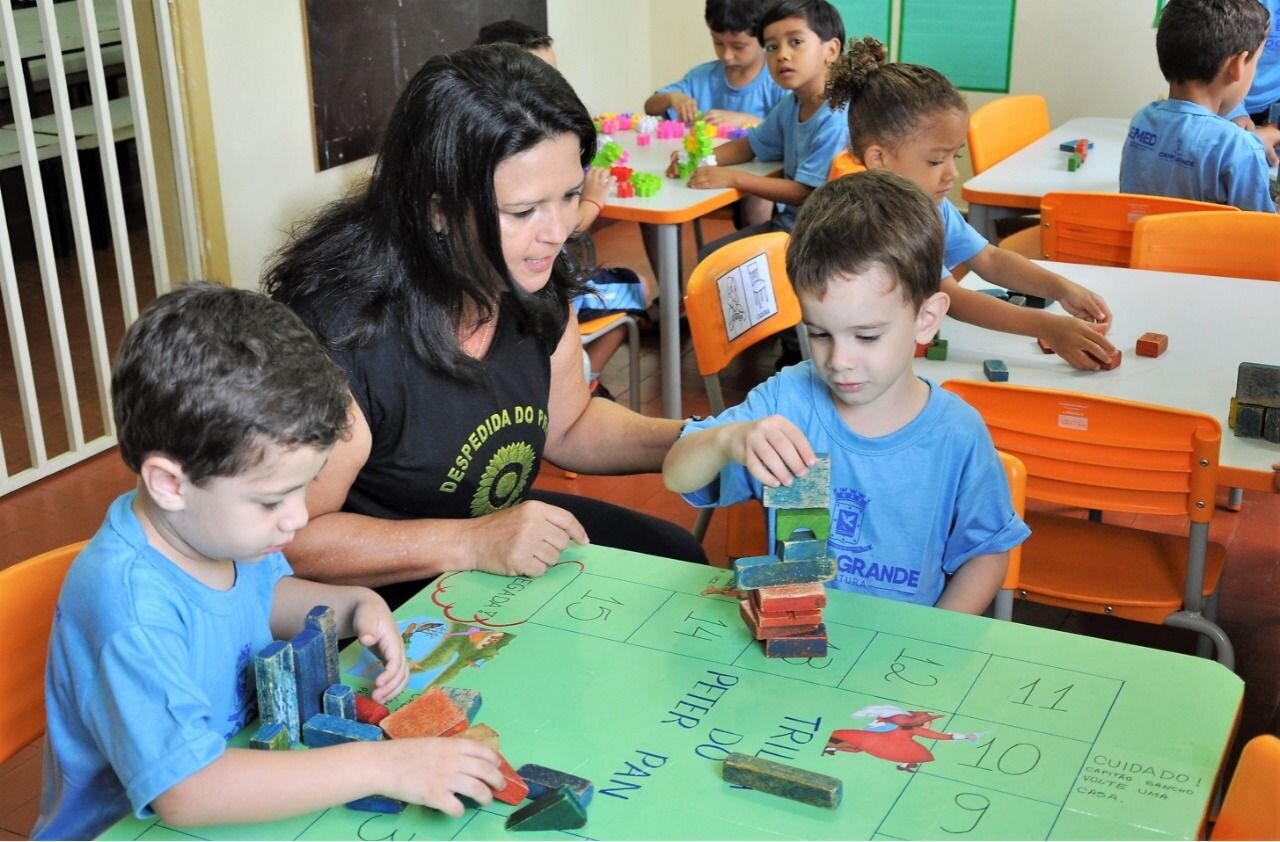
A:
[69,506]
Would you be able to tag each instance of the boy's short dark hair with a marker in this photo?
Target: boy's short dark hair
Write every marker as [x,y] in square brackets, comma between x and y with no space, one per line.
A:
[823,18]
[512,31]
[869,218]
[734,15]
[1196,37]
[210,376]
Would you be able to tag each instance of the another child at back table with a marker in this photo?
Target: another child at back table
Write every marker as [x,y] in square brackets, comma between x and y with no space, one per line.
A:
[911,120]
[226,407]
[801,39]
[921,510]
[1183,146]
[1254,113]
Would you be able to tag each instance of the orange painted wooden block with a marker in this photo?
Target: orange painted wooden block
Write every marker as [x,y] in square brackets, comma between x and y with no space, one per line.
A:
[780,619]
[761,633]
[1045,347]
[1113,362]
[516,790]
[1152,344]
[433,714]
[810,597]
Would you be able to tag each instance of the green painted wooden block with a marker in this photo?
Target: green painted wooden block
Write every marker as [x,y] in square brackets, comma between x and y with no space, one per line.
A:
[558,810]
[277,687]
[272,736]
[811,491]
[1258,384]
[817,520]
[1249,418]
[783,780]
[800,547]
[767,571]
[936,351]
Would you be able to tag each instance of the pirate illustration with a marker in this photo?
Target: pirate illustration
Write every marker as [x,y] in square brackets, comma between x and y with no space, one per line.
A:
[892,736]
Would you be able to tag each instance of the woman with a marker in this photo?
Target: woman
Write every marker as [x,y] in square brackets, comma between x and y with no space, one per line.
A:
[438,290]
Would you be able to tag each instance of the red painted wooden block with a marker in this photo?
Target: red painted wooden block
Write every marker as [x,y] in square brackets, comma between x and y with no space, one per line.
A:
[1152,344]
[433,714]
[369,711]
[749,617]
[1114,362]
[516,790]
[811,597]
[1045,347]
[921,349]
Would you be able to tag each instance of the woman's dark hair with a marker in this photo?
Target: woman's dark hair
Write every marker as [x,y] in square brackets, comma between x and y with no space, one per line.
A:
[887,101]
[422,241]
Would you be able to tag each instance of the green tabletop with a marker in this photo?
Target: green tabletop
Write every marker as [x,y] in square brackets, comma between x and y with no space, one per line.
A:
[634,672]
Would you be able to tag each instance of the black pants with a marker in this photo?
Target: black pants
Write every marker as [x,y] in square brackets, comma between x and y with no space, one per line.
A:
[607,525]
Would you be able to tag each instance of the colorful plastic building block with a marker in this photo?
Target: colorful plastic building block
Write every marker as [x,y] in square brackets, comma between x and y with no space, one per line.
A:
[542,780]
[995,370]
[324,730]
[646,184]
[644,139]
[272,736]
[811,491]
[766,571]
[557,810]
[804,645]
[339,700]
[310,671]
[610,153]
[433,714]
[782,780]
[369,711]
[810,597]
[1259,384]
[278,687]
[817,520]
[626,190]
[468,701]
[1152,344]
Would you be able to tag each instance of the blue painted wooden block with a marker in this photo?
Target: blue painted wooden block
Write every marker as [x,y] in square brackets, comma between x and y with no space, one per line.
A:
[800,548]
[816,520]
[783,780]
[806,645]
[272,736]
[1070,145]
[767,571]
[309,671]
[468,701]
[558,810]
[277,687]
[995,370]
[339,700]
[542,780]
[811,491]
[321,618]
[376,804]
[324,730]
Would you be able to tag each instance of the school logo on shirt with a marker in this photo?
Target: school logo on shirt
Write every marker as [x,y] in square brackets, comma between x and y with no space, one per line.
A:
[504,479]
[1142,137]
[856,568]
[846,521]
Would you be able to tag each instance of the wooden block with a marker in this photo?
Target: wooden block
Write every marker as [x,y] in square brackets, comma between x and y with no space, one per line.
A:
[321,618]
[369,711]
[995,370]
[780,619]
[1111,362]
[309,671]
[811,597]
[1258,384]
[1152,344]
[324,730]
[805,645]
[376,804]
[769,571]
[482,734]
[468,701]
[515,790]
[921,349]
[811,491]
[816,520]
[782,780]
[272,736]
[433,714]
[937,351]
[800,548]
[339,700]
[1271,426]
[1231,413]
[1249,418]
[1045,347]
[542,780]
[751,619]
[278,687]
[557,810]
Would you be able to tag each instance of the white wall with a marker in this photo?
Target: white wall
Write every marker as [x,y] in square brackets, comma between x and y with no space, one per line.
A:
[1088,57]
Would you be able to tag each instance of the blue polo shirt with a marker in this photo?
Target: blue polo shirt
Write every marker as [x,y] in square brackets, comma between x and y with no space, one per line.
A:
[805,148]
[1266,83]
[707,84]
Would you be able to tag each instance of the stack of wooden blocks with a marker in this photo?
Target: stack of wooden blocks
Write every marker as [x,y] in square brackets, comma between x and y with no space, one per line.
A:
[785,592]
[1255,409]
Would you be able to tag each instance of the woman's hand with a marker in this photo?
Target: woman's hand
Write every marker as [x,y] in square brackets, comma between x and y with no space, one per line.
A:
[524,540]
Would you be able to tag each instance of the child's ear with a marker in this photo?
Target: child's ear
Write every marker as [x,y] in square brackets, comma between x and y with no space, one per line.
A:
[929,317]
[165,481]
[873,157]
[832,50]
[1233,67]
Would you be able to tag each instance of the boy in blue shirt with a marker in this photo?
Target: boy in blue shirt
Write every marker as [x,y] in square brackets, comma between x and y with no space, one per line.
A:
[1254,113]
[801,39]
[920,505]
[226,407]
[1183,146]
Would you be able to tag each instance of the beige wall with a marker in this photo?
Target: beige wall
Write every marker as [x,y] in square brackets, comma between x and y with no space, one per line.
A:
[1088,57]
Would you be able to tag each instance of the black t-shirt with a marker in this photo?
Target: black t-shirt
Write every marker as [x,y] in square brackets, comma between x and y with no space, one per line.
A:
[443,448]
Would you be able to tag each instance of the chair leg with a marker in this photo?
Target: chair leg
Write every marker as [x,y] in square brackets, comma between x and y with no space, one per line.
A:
[1209,632]
[1235,499]
[1003,605]
[633,347]
[701,524]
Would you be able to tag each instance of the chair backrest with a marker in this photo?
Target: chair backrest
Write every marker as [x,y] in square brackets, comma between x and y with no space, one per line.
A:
[1005,125]
[1098,228]
[1016,473]
[1251,809]
[1102,453]
[30,590]
[844,164]
[1238,245]
[732,288]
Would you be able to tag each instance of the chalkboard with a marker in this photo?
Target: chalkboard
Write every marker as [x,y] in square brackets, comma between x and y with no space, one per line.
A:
[865,17]
[971,41]
[362,54]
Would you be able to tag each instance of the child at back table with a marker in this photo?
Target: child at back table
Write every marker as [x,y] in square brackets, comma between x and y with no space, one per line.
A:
[911,120]
[1183,146]
[226,407]
[921,508]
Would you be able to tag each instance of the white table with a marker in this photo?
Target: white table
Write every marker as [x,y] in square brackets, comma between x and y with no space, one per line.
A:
[1213,325]
[26,23]
[1016,184]
[674,204]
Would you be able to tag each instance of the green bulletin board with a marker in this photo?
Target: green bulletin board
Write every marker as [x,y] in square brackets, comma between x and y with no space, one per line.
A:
[970,41]
[866,17]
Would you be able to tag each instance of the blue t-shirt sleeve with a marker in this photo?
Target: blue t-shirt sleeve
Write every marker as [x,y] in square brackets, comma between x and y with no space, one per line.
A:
[984,519]
[768,140]
[684,85]
[1245,175]
[734,484]
[963,241]
[150,719]
[830,138]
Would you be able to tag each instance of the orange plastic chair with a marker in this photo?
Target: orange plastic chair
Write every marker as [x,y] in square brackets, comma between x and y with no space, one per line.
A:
[1251,809]
[1105,454]
[30,591]
[1239,245]
[1005,125]
[595,328]
[1094,228]
[715,349]
[844,164]
[1016,473]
